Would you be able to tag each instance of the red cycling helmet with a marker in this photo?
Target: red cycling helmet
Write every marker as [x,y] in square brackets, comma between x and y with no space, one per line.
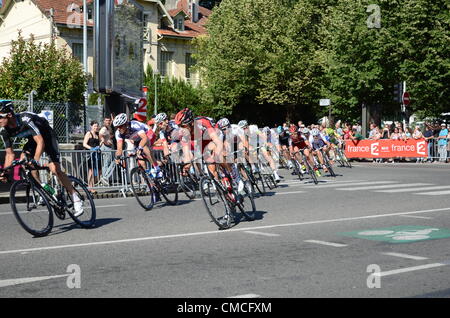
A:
[184,117]
[293,129]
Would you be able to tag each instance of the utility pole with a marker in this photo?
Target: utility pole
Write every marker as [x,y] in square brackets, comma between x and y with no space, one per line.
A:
[85,53]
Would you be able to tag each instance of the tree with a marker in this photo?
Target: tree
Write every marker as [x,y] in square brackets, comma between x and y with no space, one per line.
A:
[53,73]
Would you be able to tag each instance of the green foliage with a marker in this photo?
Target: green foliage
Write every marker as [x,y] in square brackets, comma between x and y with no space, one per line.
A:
[174,94]
[53,73]
[271,59]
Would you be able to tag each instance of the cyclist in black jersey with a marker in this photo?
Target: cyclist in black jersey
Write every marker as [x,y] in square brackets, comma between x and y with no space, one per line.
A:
[41,138]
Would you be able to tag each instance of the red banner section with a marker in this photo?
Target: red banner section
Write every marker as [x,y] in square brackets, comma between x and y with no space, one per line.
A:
[386,148]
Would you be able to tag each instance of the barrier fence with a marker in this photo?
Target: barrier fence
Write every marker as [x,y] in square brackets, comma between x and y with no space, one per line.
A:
[107,175]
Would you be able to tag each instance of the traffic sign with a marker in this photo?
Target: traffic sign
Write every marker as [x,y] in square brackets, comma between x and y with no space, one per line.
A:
[325,102]
[406,98]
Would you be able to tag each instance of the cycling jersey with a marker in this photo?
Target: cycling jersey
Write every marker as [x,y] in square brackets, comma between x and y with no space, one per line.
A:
[284,138]
[30,125]
[134,129]
[297,141]
[317,143]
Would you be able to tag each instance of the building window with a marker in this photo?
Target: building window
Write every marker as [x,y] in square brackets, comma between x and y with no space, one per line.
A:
[190,62]
[77,51]
[179,24]
[165,63]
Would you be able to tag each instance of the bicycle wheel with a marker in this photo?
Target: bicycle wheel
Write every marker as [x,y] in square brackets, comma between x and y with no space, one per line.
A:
[328,164]
[168,189]
[246,203]
[259,183]
[142,188]
[215,204]
[35,219]
[188,183]
[87,219]
[296,168]
[311,172]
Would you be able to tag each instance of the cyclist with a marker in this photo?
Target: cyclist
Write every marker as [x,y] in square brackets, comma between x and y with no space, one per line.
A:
[139,134]
[41,138]
[317,144]
[299,144]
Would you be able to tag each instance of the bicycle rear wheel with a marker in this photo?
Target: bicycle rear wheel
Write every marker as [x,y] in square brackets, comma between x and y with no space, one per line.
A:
[168,189]
[215,203]
[142,188]
[311,172]
[35,219]
[246,203]
[87,219]
[188,183]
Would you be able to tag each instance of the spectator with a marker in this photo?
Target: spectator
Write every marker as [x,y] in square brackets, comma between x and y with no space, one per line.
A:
[401,133]
[442,143]
[339,130]
[386,133]
[429,137]
[448,141]
[107,141]
[418,135]
[395,134]
[409,133]
[92,142]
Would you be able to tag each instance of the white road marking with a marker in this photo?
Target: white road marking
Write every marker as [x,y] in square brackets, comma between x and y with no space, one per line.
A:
[353,184]
[417,258]
[417,217]
[218,232]
[384,186]
[261,233]
[246,296]
[326,243]
[409,269]
[434,193]
[290,192]
[18,281]
[415,190]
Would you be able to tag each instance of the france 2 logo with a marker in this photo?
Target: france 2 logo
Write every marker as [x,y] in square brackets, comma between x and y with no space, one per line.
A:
[421,148]
[375,149]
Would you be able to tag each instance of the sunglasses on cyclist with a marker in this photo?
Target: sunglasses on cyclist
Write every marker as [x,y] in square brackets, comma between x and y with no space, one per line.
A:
[3,115]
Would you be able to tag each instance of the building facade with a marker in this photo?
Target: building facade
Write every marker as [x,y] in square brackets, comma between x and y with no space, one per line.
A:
[168,30]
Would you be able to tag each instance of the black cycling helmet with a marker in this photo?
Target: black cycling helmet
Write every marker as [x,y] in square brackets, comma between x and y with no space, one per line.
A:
[6,106]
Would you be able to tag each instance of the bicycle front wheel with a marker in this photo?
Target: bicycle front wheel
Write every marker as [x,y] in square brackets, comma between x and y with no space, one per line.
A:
[215,203]
[87,218]
[142,188]
[246,203]
[31,208]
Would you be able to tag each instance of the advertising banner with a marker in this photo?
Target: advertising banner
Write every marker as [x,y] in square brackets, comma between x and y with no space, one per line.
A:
[386,148]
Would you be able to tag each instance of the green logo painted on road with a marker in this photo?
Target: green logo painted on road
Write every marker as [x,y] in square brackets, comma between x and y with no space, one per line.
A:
[401,234]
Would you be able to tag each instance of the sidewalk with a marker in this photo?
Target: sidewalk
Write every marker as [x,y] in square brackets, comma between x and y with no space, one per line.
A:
[101,194]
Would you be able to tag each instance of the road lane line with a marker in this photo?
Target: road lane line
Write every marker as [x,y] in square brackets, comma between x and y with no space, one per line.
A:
[353,184]
[261,233]
[246,296]
[414,190]
[417,217]
[417,258]
[218,232]
[434,193]
[326,243]
[409,269]
[18,281]
[403,185]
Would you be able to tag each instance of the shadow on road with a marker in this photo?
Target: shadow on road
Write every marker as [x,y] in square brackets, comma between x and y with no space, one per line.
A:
[62,228]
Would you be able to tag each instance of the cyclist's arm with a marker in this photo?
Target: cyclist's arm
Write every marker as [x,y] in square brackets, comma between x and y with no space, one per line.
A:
[143,145]
[40,144]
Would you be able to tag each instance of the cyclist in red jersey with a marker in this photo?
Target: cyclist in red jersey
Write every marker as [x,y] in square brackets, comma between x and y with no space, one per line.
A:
[196,130]
[298,143]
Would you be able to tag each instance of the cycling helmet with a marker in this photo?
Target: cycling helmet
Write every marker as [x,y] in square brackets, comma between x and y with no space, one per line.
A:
[6,106]
[160,118]
[266,129]
[223,123]
[120,119]
[279,129]
[293,129]
[184,117]
[305,131]
[253,129]
[315,132]
[243,124]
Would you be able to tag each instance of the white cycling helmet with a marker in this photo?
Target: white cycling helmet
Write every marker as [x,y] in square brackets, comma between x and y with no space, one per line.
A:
[315,132]
[266,129]
[305,131]
[253,129]
[223,123]
[243,124]
[160,118]
[120,119]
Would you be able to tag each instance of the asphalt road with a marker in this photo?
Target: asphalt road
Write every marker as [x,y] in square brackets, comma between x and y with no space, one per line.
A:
[373,231]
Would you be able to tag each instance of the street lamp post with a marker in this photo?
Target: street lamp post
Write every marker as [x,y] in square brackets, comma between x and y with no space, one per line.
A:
[155,73]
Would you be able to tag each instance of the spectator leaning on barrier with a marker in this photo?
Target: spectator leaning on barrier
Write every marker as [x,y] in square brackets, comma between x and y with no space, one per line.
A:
[429,137]
[92,142]
[417,134]
[442,143]
[107,142]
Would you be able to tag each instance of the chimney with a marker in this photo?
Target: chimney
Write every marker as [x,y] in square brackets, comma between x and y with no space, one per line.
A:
[194,10]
